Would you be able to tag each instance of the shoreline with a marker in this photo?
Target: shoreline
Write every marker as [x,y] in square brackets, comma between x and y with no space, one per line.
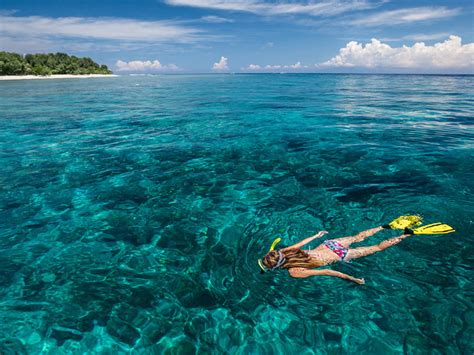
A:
[55,76]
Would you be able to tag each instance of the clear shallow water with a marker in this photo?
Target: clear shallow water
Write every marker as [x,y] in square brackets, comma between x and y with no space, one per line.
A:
[133,210]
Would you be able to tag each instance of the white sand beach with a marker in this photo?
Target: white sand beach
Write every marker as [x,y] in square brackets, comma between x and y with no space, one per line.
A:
[56,76]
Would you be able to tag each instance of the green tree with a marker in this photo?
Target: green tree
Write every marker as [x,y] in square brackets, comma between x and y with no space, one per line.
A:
[11,64]
[47,64]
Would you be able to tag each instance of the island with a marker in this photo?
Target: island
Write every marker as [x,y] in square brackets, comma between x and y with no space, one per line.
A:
[50,65]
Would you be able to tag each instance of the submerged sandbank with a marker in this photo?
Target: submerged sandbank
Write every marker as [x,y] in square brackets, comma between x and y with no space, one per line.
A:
[55,76]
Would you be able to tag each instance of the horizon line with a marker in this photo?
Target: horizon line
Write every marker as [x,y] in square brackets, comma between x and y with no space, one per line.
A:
[289,73]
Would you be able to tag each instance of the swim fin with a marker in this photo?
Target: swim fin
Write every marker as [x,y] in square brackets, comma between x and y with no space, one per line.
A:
[433,228]
[403,222]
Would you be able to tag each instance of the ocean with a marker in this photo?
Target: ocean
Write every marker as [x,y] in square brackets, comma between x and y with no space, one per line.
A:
[133,211]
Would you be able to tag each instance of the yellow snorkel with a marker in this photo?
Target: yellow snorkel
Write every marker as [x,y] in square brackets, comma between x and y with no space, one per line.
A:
[275,242]
[272,247]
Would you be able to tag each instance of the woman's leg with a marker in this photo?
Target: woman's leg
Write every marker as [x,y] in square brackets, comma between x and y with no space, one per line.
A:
[364,251]
[347,241]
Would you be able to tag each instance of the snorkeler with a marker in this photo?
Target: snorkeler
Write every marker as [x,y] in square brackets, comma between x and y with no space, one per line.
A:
[300,263]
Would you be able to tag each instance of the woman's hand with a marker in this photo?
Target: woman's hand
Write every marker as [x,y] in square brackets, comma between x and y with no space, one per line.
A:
[299,272]
[320,234]
[305,241]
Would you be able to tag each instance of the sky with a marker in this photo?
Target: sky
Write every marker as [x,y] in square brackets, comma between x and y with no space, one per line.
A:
[227,36]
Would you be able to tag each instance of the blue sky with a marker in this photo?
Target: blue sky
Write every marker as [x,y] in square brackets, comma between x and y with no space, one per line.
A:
[248,35]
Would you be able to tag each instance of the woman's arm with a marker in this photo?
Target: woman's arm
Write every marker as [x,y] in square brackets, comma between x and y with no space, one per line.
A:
[302,273]
[306,241]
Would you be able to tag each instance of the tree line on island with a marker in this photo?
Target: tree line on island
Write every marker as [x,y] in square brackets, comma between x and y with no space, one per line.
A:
[48,64]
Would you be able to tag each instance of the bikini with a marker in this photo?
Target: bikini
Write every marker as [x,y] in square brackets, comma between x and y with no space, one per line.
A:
[337,248]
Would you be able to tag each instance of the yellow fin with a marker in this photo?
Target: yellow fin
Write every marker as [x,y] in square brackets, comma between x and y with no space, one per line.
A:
[434,228]
[403,222]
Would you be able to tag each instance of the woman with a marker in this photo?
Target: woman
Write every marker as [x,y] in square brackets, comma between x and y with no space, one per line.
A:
[300,263]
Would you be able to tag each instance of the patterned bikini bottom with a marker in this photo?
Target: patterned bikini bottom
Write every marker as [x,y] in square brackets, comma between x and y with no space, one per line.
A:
[337,248]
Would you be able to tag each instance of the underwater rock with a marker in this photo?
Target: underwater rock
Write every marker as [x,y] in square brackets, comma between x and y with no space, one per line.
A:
[360,193]
[142,296]
[171,310]
[332,336]
[34,338]
[179,235]
[122,331]
[86,323]
[184,346]
[155,331]
[200,297]
[12,346]
[10,266]
[415,344]
[296,329]
[89,341]
[61,334]
[121,225]
[199,323]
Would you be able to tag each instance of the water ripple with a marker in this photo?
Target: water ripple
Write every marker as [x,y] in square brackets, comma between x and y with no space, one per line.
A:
[134,210]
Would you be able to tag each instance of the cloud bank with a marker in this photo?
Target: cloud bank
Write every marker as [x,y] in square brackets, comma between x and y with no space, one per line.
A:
[119,29]
[221,64]
[147,65]
[253,67]
[450,54]
[276,67]
[259,7]
[402,16]
[216,19]
[417,37]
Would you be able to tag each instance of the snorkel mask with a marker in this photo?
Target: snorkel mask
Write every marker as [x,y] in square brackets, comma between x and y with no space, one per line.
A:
[281,259]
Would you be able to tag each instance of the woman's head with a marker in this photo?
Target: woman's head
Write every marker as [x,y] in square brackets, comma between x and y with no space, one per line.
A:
[273,259]
[287,259]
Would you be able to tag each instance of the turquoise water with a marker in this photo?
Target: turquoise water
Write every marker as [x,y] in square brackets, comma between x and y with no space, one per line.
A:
[133,210]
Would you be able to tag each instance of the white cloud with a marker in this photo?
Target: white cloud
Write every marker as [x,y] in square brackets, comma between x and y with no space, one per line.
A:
[28,44]
[450,54]
[425,37]
[417,37]
[96,28]
[309,7]
[269,67]
[216,19]
[147,65]
[221,64]
[401,16]
[296,66]
[253,67]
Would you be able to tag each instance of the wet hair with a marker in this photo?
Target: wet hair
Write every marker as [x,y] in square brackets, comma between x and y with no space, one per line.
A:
[294,258]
